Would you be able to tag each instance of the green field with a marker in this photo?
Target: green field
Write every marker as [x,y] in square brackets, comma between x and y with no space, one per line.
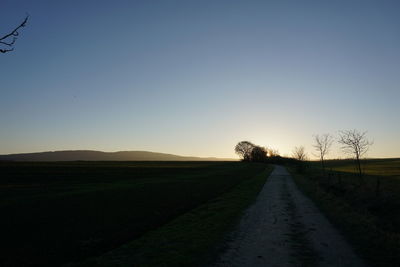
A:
[383,167]
[366,209]
[382,172]
[55,213]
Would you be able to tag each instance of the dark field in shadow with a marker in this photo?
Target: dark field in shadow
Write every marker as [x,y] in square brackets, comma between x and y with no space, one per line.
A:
[59,212]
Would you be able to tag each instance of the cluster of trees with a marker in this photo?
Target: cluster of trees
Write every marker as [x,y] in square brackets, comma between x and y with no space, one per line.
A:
[254,153]
[352,142]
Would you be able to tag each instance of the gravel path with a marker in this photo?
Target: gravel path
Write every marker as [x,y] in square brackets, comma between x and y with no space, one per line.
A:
[284,228]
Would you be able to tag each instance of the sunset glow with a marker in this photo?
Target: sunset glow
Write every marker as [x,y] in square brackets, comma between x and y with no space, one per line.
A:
[196,77]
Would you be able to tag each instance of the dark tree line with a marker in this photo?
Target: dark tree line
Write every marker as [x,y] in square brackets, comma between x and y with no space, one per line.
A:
[253,153]
[8,40]
[353,143]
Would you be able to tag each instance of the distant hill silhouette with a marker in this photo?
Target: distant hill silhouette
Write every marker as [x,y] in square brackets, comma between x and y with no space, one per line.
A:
[91,155]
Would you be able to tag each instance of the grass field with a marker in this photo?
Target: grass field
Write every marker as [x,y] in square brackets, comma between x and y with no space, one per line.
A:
[382,167]
[370,218]
[55,213]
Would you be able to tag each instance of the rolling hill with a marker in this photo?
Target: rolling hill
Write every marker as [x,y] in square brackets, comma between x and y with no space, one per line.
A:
[91,155]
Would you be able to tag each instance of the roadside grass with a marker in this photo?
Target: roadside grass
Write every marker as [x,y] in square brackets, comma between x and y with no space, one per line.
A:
[191,239]
[370,221]
[54,213]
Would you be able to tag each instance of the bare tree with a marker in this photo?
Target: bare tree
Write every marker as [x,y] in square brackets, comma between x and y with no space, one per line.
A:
[272,152]
[355,143]
[299,153]
[322,144]
[244,149]
[8,40]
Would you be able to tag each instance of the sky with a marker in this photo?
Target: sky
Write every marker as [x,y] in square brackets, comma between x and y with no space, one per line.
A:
[196,77]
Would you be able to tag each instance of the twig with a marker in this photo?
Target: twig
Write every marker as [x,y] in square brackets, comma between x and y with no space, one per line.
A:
[14,33]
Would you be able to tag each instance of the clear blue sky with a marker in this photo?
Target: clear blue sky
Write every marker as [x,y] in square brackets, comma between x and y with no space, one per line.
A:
[196,77]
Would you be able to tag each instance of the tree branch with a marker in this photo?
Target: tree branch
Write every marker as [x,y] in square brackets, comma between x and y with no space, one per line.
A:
[14,33]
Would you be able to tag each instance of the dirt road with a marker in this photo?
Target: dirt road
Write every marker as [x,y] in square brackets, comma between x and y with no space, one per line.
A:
[284,228]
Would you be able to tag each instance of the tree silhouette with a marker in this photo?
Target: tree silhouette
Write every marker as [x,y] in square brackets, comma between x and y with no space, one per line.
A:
[244,149]
[322,144]
[258,154]
[8,40]
[299,153]
[355,143]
